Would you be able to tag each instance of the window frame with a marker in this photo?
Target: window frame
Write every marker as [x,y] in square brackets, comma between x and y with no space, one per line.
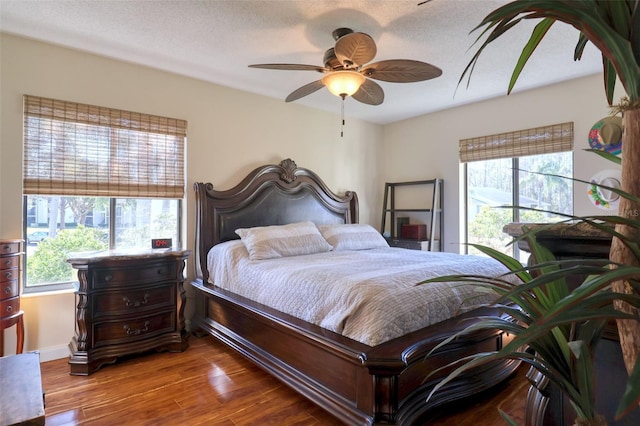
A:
[513,145]
[64,286]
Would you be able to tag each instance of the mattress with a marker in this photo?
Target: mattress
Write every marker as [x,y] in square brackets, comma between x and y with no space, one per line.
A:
[370,296]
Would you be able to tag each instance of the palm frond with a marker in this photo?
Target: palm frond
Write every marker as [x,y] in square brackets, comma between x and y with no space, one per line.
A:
[583,367]
[605,24]
[604,154]
[536,37]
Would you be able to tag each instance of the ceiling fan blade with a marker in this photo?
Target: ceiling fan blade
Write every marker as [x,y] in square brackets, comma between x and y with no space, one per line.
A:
[355,49]
[293,67]
[369,93]
[305,90]
[401,71]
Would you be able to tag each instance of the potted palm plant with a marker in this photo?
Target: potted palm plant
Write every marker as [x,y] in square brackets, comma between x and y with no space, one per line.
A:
[611,26]
[556,328]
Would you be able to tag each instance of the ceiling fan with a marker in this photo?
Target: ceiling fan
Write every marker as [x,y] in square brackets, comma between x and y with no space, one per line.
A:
[346,72]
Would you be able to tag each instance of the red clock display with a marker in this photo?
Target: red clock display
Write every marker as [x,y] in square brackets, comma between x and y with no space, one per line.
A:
[160,243]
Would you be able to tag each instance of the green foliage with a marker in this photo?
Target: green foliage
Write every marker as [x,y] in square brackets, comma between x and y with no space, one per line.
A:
[163,225]
[610,25]
[560,325]
[132,237]
[486,228]
[164,221]
[48,264]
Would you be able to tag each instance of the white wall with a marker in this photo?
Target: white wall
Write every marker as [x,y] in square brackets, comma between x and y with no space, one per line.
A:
[230,132]
[427,147]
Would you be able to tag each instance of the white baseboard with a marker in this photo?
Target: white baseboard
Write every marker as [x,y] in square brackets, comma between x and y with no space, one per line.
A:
[53,353]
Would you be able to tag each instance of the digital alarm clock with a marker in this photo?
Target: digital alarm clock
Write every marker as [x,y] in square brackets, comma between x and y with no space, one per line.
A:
[161,243]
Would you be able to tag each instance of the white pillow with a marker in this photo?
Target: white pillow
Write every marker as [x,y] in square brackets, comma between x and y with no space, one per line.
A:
[268,242]
[352,236]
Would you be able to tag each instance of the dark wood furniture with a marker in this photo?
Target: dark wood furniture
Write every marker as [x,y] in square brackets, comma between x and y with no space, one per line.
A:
[430,213]
[545,404]
[411,244]
[362,385]
[127,303]
[10,279]
[21,398]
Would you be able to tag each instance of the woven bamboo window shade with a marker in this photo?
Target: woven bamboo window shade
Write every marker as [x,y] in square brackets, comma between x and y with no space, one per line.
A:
[73,149]
[539,140]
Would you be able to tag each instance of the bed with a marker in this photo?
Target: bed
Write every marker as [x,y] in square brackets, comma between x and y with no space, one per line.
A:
[362,384]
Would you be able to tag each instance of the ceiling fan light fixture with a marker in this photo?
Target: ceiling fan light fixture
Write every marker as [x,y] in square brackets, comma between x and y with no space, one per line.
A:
[343,83]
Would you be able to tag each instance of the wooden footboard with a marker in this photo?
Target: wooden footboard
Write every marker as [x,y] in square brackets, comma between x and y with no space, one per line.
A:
[361,385]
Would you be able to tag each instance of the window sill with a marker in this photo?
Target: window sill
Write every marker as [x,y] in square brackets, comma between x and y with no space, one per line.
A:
[44,293]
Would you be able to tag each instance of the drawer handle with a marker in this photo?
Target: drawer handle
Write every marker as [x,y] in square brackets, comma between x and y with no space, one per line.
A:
[7,290]
[9,309]
[136,331]
[6,248]
[137,303]
[162,271]
[108,277]
[7,262]
[8,274]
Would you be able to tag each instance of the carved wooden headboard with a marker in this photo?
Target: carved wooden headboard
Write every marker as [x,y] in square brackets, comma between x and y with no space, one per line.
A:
[269,195]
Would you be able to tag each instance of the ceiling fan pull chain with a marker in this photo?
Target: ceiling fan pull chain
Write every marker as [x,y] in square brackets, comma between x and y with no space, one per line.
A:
[342,117]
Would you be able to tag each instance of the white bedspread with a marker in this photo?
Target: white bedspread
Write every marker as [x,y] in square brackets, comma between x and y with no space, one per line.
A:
[366,295]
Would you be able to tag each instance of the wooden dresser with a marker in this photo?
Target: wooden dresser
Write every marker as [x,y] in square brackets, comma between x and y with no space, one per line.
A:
[10,313]
[127,303]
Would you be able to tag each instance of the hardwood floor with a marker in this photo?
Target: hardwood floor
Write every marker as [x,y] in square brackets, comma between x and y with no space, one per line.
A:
[209,384]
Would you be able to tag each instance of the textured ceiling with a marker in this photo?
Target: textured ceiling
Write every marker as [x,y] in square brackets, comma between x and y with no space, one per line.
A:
[216,40]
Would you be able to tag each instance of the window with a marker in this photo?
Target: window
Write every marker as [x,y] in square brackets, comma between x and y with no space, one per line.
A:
[96,178]
[531,169]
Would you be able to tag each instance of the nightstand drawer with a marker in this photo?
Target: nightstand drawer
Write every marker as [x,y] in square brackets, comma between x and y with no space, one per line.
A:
[9,262]
[7,274]
[122,276]
[138,328]
[9,307]
[134,300]
[9,289]
[10,247]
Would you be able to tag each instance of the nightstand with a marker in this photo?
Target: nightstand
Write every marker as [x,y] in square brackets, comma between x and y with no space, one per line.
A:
[127,302]
[10,313]
[412,244]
